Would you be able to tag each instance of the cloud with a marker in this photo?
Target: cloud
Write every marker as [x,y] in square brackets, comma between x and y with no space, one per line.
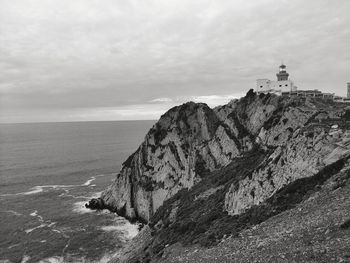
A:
[211,100]
[129,112]
[162,100]
[62,55]
[215,100]
[146,111]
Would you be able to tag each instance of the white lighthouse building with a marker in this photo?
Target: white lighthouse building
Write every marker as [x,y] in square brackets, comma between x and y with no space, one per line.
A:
[283,84]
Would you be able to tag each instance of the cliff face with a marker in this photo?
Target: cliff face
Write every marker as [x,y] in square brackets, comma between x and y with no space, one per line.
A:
[314,228]
[192,140]
[186,142]
[302,155]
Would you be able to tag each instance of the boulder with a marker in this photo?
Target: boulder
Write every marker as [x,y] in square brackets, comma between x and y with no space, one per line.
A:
[95,204]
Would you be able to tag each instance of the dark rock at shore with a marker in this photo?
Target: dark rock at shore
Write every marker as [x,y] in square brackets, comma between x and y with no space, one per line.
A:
[96,204]
[99,204]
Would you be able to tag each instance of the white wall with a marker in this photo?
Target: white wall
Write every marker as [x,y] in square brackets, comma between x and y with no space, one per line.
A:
[262,85]
[283,85]
[265,85]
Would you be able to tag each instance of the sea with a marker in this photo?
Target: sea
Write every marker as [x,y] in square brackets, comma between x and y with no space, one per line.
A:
[48,171]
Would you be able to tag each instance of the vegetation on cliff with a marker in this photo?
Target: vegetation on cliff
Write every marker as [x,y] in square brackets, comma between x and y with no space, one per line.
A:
[204,174]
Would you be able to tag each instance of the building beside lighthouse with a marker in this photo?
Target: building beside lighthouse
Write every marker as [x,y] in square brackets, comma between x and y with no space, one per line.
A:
[282,85]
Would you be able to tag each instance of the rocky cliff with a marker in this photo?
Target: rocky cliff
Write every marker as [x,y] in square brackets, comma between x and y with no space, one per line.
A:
[186,142]
[303,143]
[192,140]
[203,174]
[311,223]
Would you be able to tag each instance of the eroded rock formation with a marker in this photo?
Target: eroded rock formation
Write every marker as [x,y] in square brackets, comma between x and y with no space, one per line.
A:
[303,155]
[192,139]
[186,142]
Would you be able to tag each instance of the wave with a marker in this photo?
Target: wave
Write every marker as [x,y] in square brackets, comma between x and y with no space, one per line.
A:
[35,214]
[79,207]
[93,178]
[107,257]
[43,223]
[125,230]
[88,182]
[40,188]
[13,212]
[32,229]
[35,190]
[52,260]
[129,230]
[25,259]
[10,247]
[60,259]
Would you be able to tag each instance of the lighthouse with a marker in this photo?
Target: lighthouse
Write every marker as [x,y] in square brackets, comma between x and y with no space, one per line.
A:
[279,86]
[282,74]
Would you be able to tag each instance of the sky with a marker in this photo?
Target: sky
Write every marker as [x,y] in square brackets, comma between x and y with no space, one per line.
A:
[90,60]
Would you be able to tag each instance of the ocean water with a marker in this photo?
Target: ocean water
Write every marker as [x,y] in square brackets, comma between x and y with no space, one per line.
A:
[47,173]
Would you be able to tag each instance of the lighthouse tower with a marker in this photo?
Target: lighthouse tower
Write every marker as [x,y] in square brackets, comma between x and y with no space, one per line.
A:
[282,74]
[279,87]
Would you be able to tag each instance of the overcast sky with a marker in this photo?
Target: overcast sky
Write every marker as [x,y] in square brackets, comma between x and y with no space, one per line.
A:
[76,60]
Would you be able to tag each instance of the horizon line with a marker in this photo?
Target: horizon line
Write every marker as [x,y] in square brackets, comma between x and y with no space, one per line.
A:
[44,122]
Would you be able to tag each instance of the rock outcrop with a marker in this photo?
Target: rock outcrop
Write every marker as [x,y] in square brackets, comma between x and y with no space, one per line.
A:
[192,140]
[304,141]
[186,142]
[304,155]
[96,204]
[315,230]
[204,174]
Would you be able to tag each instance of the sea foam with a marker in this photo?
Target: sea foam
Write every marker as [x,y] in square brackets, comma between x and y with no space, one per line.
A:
[25,259]
[129,230]
[79,207]
[88,182]
[13,212]
[40,188]
[37,227]
[52,260]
